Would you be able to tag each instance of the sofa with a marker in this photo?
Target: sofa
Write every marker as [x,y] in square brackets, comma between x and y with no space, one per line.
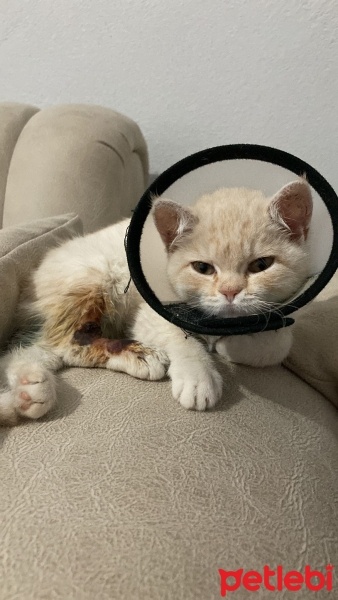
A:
[119,493]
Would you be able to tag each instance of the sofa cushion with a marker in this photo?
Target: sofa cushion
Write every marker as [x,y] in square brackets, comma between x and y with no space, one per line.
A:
[82,158]
[314,354]
[13,118]
[21,249]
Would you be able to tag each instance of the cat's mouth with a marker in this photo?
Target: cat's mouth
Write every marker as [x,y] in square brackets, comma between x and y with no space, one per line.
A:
[234,310]
[225,311]
[218,307]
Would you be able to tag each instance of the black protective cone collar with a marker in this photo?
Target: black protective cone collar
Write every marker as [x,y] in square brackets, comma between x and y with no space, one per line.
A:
[193,320]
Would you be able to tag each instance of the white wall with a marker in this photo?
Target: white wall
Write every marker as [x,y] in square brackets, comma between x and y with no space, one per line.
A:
[193,73]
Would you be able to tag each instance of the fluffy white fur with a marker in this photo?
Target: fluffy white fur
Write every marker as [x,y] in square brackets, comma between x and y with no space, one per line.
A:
[78,297]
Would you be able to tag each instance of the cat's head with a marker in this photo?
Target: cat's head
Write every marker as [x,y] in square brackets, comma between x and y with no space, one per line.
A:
[236,252]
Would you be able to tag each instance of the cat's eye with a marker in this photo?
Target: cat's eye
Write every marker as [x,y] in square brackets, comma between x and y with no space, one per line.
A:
[203,268]
[261,264]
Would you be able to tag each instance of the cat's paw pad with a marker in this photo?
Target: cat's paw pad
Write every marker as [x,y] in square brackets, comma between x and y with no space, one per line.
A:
[34,394]
[198,393]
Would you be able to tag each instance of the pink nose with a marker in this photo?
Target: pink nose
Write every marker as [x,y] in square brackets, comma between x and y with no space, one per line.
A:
[230,293]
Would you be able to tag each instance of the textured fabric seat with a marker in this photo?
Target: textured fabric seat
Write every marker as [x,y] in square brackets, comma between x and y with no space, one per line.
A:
[120,493]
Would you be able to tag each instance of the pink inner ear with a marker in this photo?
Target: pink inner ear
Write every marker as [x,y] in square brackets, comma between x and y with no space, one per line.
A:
[292,206]
[171,220]
[166,219]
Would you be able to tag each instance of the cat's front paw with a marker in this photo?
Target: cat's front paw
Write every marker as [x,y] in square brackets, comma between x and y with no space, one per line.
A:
[196,389]
[34,394]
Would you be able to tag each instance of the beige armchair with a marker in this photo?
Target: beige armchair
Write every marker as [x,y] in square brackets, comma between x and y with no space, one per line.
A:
[120,493]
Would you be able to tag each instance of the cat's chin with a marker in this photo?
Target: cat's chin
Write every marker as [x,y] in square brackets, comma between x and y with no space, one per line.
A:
[230,311]
[227,312]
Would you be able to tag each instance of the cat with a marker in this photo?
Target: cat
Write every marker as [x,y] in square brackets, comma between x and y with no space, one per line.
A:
[234,252]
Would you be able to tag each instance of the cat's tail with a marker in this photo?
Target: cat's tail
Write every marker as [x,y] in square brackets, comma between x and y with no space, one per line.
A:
[30,385]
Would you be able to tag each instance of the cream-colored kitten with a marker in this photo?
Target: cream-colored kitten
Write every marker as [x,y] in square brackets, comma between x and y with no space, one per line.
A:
[237,253]
[233,253]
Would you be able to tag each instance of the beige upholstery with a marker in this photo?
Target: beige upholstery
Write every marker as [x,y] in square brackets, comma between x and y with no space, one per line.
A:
[314,355]
[13,118]
[91,157]
[21,249]
[121,494]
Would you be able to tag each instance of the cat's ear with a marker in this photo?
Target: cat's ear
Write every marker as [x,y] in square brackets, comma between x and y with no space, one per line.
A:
[173,221]
[291,208]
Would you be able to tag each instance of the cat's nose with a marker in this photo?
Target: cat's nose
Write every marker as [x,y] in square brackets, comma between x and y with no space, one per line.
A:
[230,293]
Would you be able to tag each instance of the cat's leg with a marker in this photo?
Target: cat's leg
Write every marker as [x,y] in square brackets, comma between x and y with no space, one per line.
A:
[73,328]
[196,383]
[88,348]
[257,349]
[29,383]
